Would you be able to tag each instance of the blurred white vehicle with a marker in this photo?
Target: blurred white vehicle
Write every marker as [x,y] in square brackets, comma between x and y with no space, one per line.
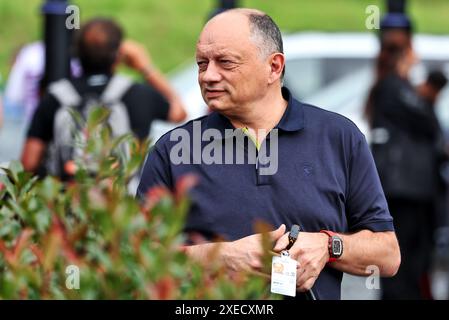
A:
[331,70]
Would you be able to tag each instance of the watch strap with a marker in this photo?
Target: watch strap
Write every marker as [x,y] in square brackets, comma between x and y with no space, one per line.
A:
[330,234]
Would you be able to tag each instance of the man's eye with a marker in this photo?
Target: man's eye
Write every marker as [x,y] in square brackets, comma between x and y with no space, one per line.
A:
[202,65]
[225,61]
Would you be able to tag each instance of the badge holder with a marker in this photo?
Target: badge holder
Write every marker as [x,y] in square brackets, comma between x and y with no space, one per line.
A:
[283,275]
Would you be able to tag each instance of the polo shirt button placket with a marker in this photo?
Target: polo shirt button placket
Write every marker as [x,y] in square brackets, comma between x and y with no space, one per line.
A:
[262,179]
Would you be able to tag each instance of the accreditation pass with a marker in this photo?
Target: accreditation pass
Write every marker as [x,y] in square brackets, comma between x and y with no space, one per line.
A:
[283,275]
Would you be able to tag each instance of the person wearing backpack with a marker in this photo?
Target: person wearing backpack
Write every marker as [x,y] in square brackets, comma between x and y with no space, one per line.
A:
[133,106]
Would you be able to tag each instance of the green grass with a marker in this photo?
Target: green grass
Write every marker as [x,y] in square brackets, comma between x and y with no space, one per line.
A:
[169,28]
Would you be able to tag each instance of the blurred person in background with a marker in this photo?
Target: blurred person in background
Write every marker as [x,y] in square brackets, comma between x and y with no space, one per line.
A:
[430,90]
[406,148]
[100,50]
[22,90]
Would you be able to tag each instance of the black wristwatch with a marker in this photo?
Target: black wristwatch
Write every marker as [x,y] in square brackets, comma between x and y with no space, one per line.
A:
[335,245]
[293,235]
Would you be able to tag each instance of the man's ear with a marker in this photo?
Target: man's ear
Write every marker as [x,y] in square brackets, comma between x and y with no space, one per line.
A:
[277,63]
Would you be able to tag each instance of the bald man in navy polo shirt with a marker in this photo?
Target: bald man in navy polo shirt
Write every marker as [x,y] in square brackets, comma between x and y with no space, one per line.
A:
[302,165]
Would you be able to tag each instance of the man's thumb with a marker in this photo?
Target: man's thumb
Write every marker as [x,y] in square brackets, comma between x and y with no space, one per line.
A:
[279,232]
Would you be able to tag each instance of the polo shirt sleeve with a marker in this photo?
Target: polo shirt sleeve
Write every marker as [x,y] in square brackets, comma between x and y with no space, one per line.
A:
[144,105]
[41,126]
[156,172]
[366,205]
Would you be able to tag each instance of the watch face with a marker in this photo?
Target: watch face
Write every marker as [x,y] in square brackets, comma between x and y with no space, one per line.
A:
[337,248]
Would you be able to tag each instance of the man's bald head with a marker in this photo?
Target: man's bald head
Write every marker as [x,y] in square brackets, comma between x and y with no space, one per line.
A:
[263,31]
[98,45]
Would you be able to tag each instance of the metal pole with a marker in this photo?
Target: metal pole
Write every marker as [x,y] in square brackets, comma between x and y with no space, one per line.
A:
[222,6]
[396,16]
[57,42]
[396,6]
[227,4]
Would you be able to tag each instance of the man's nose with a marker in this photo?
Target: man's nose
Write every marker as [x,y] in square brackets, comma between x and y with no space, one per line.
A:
[212,73]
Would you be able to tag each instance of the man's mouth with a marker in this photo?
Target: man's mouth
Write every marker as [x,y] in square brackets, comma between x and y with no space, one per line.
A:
[214,93]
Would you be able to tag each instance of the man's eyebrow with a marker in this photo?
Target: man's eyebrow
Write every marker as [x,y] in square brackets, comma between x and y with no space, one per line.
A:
[219,53]
[229,54]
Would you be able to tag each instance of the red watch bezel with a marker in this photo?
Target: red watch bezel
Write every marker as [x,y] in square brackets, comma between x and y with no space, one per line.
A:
[329,244]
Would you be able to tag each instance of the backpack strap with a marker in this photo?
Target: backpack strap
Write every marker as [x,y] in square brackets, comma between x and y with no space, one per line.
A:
[116,89]
[112,98]
[60,149]
[65,93]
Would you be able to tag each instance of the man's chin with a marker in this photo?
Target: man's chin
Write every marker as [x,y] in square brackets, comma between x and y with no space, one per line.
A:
[215,105]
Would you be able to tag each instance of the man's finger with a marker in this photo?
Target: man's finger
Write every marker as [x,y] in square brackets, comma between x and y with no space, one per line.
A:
[276,234]
[303,275]
[282,243]
[256,264]
[307,285]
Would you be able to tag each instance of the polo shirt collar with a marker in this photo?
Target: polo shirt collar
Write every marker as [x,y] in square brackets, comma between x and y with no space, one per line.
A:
[217,121]
[292,119]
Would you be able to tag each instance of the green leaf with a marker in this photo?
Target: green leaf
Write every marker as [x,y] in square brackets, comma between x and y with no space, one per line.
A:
[42,221]
[49,188]
[10,188]
[97,116]
[77,117]
[121,139]
[15,167]
[28,184]
[9,229]
[16,208]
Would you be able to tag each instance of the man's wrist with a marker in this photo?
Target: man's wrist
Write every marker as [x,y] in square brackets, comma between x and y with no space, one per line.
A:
[146,71]
[203,253]
[325,238]
[335,245]
[225,254]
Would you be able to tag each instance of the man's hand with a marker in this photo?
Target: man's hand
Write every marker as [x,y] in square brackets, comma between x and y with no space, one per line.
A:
[33,153]
[245,254]
[241,255]
[311,252]
[135,56]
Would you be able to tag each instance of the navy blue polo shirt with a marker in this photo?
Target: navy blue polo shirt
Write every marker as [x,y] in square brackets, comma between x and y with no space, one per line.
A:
[325,179]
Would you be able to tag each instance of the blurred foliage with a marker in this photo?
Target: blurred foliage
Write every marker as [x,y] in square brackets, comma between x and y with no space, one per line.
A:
[124,248]
[169,29]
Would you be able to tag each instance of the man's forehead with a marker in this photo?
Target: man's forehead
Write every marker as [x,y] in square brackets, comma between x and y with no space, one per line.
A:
[225,26]
[224,36]
[219,37]
[216,50]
